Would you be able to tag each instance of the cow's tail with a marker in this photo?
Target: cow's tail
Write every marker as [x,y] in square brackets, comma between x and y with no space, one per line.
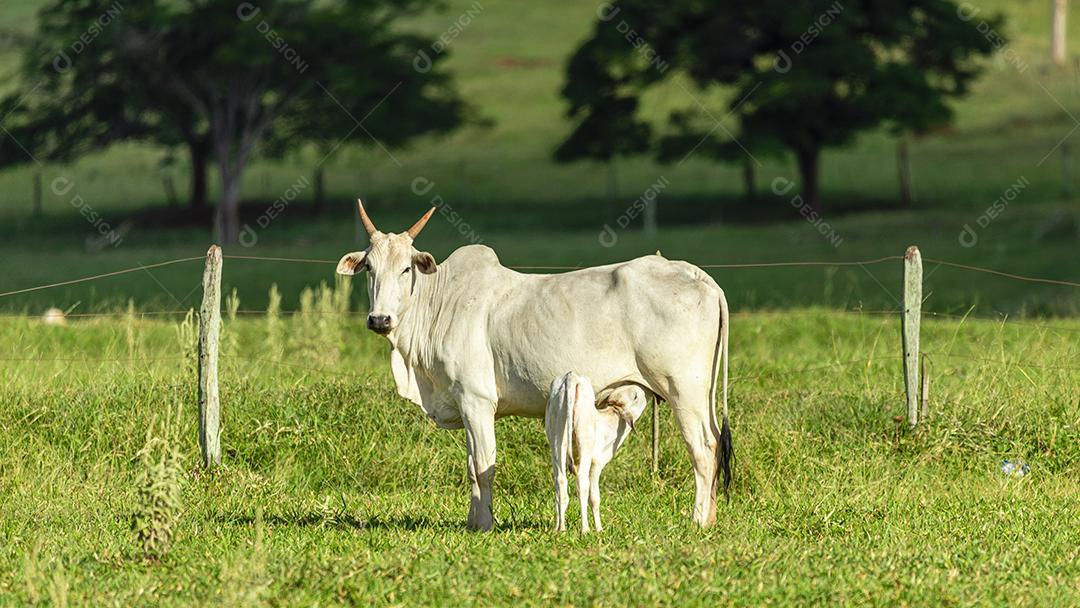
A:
[721,357]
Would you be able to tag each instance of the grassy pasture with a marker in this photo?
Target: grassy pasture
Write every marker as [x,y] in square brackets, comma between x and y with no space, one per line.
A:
[336,491]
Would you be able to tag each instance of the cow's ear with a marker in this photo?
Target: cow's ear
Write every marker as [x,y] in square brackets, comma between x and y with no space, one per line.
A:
[424,262]
[352,263]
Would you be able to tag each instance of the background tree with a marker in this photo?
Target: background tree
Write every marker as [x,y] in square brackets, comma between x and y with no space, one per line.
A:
[228,75]
[808,75]
[73,104]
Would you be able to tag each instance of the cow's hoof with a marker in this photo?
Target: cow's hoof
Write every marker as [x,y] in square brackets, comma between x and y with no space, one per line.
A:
[481,524]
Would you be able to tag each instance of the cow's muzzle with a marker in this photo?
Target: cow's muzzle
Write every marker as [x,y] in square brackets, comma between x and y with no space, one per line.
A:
[379,324]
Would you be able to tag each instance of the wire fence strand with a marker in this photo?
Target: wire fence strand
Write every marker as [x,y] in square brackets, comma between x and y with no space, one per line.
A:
[713,266]
[100,276]
[272,259]
[1009,275]
[1003,363]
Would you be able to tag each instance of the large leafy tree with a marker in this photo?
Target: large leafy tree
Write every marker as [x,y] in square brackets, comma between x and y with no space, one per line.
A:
[803,75]
[222,77]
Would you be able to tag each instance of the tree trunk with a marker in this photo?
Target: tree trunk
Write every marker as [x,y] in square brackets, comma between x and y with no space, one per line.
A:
[903,165]
[1058,10]
[320,189]
[612,190]
[228,212]
[809,164]
[649,223]
[170,189]
[200,158]
[748,179]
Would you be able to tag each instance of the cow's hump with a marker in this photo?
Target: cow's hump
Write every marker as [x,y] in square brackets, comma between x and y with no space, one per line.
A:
[473,255]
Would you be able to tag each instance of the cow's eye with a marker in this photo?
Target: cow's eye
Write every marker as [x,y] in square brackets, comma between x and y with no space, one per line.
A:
[407,269]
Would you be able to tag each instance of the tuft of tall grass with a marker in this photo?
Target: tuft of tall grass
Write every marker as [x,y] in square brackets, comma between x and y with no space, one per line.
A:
[157,489]
[322,319]
[275,330]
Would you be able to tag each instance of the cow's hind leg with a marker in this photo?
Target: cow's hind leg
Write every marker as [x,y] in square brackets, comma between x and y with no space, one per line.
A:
[694,415]
[480,443]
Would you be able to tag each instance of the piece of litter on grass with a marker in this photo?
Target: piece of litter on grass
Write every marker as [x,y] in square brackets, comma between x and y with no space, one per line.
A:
[1014,468]
[54,316]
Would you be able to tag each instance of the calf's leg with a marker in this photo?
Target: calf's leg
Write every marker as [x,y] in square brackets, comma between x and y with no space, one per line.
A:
[594,494]
[584,465]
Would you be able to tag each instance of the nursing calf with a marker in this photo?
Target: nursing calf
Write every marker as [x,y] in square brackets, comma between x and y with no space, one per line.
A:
[575,426]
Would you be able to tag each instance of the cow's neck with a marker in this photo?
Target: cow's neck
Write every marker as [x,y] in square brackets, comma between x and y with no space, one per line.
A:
[412,337]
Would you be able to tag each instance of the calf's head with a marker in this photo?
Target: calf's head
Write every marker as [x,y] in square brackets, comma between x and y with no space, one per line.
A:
[628,402]
[392,264]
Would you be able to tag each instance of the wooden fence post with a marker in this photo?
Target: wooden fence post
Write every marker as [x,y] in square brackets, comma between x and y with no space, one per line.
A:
[209,332]
[655,436]
[910,329]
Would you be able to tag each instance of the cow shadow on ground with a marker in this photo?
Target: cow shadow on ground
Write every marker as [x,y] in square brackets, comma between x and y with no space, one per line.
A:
[347,521]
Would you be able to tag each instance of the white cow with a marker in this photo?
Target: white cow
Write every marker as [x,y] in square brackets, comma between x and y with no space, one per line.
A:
[472,341]
[574,424]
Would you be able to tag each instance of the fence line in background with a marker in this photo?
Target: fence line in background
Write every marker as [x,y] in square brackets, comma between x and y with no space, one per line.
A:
[1004,320]
[1009,275]
[91,360]
[100,276]
[287,313]
[1006,363]
[270,259]
[320,370]
[210,322]
[717,266]
[734,377]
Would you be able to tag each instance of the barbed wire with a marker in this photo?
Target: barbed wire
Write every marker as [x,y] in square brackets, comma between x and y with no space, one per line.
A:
[1003,274]
[91,360]
[121,314]
[273,259]
[330,371]
[735,378]
[100,276]
[866,360]
[144,267]
[1003,363]
[1001,320]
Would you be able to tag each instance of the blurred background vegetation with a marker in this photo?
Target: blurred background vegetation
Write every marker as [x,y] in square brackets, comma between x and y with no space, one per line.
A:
[508,62]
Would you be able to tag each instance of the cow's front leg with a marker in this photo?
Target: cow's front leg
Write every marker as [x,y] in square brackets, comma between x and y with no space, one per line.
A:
[480,443]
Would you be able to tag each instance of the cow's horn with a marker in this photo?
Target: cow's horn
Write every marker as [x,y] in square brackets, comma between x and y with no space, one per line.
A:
[419,225]
[364,219]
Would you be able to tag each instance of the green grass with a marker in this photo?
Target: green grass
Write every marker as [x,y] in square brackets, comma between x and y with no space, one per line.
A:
[358,499]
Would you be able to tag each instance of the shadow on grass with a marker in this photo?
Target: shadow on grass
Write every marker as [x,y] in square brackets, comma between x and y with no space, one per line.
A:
[346,521]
